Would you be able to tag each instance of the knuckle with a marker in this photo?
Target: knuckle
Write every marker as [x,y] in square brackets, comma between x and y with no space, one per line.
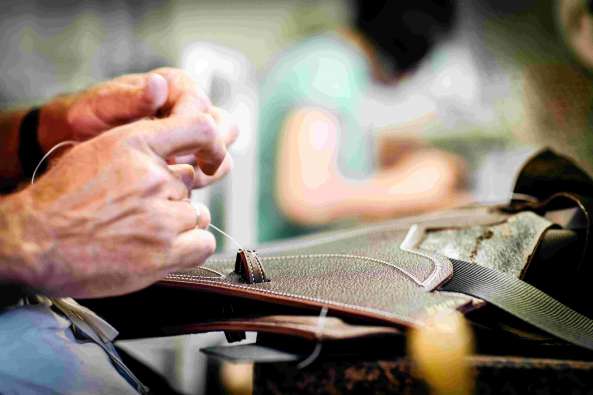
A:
[155,178]
[200,180]
[159,223]
[179,190]
[206,126]
[158,235]
[113,141]
[132,135]
[207,121]
[153,208]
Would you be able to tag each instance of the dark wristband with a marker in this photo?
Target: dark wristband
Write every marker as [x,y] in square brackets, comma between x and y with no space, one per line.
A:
[30,152]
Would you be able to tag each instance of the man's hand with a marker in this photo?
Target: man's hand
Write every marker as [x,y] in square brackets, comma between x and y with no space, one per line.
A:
[112,216]
[126,99]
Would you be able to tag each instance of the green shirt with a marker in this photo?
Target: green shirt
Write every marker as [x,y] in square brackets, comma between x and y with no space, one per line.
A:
[323,71]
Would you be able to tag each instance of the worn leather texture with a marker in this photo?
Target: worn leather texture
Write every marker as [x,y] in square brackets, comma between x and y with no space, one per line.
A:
[506,247]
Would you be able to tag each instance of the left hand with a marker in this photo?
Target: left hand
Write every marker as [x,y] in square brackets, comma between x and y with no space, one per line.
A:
[123,100]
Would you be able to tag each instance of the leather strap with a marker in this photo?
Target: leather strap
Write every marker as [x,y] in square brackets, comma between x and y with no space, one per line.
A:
[522,300]
[250,268]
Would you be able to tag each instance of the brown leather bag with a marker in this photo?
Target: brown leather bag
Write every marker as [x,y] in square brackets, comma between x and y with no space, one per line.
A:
[373,281]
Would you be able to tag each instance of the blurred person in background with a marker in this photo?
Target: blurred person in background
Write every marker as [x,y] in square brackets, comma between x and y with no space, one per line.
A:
[316,164]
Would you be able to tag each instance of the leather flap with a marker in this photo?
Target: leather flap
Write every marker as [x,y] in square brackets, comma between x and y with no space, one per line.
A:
[364,273]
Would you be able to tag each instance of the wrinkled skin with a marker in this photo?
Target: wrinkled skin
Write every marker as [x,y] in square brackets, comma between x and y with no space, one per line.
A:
[112,215]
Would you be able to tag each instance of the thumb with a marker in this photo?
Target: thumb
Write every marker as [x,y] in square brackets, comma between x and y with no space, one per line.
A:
[119,101]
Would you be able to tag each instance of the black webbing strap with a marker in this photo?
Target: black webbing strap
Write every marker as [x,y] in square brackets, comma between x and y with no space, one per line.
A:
[522,300]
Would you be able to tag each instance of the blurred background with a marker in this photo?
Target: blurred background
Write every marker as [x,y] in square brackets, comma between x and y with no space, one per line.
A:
[510,78]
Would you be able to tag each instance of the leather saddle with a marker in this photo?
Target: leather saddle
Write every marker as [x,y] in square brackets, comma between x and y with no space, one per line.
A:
[518,271]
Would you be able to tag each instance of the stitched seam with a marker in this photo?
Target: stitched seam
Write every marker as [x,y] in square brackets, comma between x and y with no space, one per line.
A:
[260,273]
[261,268]
[212,271]
[440,263]
[248,259]
[256,270]
[220,275]
[308,298]
[436,262]
[347,256]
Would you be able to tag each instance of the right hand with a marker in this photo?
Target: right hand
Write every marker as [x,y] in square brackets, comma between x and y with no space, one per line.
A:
[112,217]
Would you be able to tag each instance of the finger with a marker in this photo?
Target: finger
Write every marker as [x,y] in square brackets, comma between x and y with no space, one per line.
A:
[227,127]
[204,217]
[185,215]
[201,179]
[185,97]
[184,173]
[180,135]
[189,159]
[176,190]
[228,131]
[191,248]
[127,99]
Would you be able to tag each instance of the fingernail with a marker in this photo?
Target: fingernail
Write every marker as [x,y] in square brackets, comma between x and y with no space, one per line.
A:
[157,89]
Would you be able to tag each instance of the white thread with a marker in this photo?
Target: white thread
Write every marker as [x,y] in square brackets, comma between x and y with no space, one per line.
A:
[319,334]
[227,236]
[48,153]
[442,266]
[211,271]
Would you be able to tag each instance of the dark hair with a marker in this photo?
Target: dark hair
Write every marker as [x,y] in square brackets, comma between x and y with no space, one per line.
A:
[404,31]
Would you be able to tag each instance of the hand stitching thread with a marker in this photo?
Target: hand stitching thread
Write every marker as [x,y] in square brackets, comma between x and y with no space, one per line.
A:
[248,258]
[261,268]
